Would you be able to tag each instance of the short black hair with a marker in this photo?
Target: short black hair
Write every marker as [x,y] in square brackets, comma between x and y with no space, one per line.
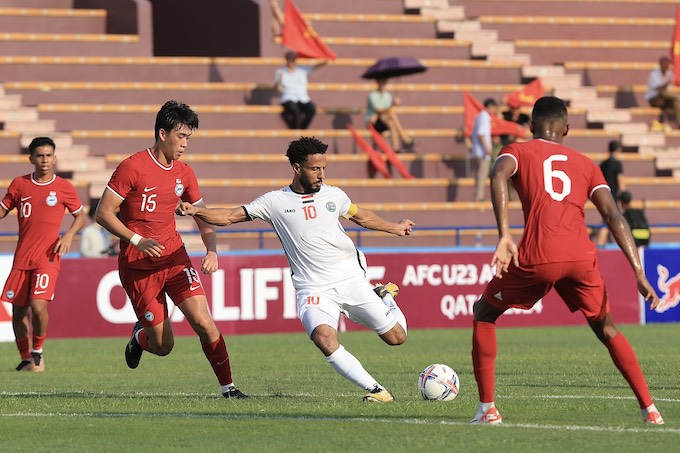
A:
[625,197]
[549,108]
[40,141]
[489,101]
[299,149]
[614,145]
[174,114]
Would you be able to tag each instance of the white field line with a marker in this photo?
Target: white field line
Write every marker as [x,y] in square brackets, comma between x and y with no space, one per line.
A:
[391,421]
[92,394]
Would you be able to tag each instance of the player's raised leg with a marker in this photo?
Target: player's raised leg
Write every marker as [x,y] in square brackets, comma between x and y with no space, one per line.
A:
[626,361]
[484,350]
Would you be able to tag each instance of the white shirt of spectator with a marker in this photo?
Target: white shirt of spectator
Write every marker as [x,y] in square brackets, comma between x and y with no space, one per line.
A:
[482,126]
[293,84]
[655,80]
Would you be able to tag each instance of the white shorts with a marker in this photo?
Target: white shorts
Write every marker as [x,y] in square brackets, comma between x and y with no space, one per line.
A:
[356,300]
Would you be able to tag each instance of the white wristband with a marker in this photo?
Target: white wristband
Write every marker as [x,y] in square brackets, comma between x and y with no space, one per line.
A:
[134,240]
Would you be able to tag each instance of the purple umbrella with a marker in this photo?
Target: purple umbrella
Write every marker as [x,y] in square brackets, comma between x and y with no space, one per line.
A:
[393,67]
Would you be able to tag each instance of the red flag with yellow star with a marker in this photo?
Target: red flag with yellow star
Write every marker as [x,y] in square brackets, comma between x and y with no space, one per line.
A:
[527,95]
[299,36]
[675,46]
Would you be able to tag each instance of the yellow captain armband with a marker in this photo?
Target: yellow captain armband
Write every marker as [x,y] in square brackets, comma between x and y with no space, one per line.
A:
[353,209]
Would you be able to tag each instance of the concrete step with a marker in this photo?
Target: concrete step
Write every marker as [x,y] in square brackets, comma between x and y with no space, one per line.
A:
[52,20]
[36,127]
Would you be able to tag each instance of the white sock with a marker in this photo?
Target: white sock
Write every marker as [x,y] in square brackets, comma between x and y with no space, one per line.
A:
[484,407]
[226,388]
[350,368]
[390,303]
[651,408]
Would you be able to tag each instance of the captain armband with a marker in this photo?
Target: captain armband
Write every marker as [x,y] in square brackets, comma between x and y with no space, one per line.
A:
[351,212]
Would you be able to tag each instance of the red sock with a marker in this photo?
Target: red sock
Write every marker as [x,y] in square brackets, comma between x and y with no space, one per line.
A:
[217,355]
[22,346]
[38,341]
[625,360]
[484,351]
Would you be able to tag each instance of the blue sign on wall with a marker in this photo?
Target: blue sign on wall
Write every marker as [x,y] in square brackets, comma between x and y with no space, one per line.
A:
[662,266]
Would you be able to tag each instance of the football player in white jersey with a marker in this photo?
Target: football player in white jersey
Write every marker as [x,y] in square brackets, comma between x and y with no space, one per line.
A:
[328,272]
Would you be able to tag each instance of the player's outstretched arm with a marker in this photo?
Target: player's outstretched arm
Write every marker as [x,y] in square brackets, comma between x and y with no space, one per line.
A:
[214,216]
[209,262]
[617,225]
[3,212]
[372,221]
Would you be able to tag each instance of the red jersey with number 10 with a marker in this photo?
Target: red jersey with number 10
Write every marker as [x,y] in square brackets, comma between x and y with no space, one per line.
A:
[553,183]
[40,211]
[150,192]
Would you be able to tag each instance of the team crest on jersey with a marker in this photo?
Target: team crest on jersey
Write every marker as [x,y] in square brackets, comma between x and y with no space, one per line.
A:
[10,294]
[330,206]
[148,316]
[179,187]
[51,199]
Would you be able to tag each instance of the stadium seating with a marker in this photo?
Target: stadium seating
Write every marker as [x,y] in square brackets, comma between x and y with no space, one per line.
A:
[96,93]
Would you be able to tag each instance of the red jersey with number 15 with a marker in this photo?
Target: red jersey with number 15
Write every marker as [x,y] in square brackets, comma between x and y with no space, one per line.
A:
[150,192]
[40,211]
[553,183]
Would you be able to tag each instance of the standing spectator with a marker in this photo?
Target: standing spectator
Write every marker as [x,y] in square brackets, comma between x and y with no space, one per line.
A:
[482,146]
[381,113]
[636,218]
[40,198]
[291,83]
[95,241]
[612,169]
[153,262]
[328,272]
[553,182]
[657,90]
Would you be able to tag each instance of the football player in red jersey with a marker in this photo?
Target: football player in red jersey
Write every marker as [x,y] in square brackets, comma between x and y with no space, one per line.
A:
[40,199]
[153,262]
[553,183]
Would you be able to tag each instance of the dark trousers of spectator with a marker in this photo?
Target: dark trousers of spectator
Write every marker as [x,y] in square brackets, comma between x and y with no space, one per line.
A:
[667,102]
[298,115]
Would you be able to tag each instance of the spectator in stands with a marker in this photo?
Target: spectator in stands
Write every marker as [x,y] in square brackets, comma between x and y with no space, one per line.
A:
[514,114]
[381,113]
[95,241]
[291,83]
[482,146]
[612,169]
[636,218]
[657,90]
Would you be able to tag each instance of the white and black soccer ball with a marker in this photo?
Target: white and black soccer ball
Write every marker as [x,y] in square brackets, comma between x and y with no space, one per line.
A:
[438,382]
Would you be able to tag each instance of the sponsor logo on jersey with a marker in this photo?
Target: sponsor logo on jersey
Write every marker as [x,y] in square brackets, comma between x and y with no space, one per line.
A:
[669,289]
[51,199]
[25,198]
[149,189]
[288,211]
[179,187]
[148,316]
[330,206]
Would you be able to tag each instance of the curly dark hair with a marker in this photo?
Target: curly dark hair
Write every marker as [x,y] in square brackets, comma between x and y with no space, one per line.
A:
[40,141]
[549,109]
[299,149]
[174,114]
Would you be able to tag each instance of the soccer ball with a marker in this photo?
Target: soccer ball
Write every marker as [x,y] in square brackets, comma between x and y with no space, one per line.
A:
[438,383]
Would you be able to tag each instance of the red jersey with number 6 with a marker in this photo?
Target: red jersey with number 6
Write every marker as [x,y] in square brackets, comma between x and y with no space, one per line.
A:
[553,183]
[150,192]
[40,211]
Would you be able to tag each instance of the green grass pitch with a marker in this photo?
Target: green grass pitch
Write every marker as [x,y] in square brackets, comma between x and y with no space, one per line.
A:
[556,388]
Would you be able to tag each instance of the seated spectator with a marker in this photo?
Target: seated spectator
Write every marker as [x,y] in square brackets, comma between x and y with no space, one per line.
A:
[514,114]
[636,220]
[95,241]
[657,90]
[380,112]
[291,83]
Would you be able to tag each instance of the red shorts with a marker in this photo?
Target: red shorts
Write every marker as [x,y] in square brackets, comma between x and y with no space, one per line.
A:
[24,285]
[578,283]
[147,288]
